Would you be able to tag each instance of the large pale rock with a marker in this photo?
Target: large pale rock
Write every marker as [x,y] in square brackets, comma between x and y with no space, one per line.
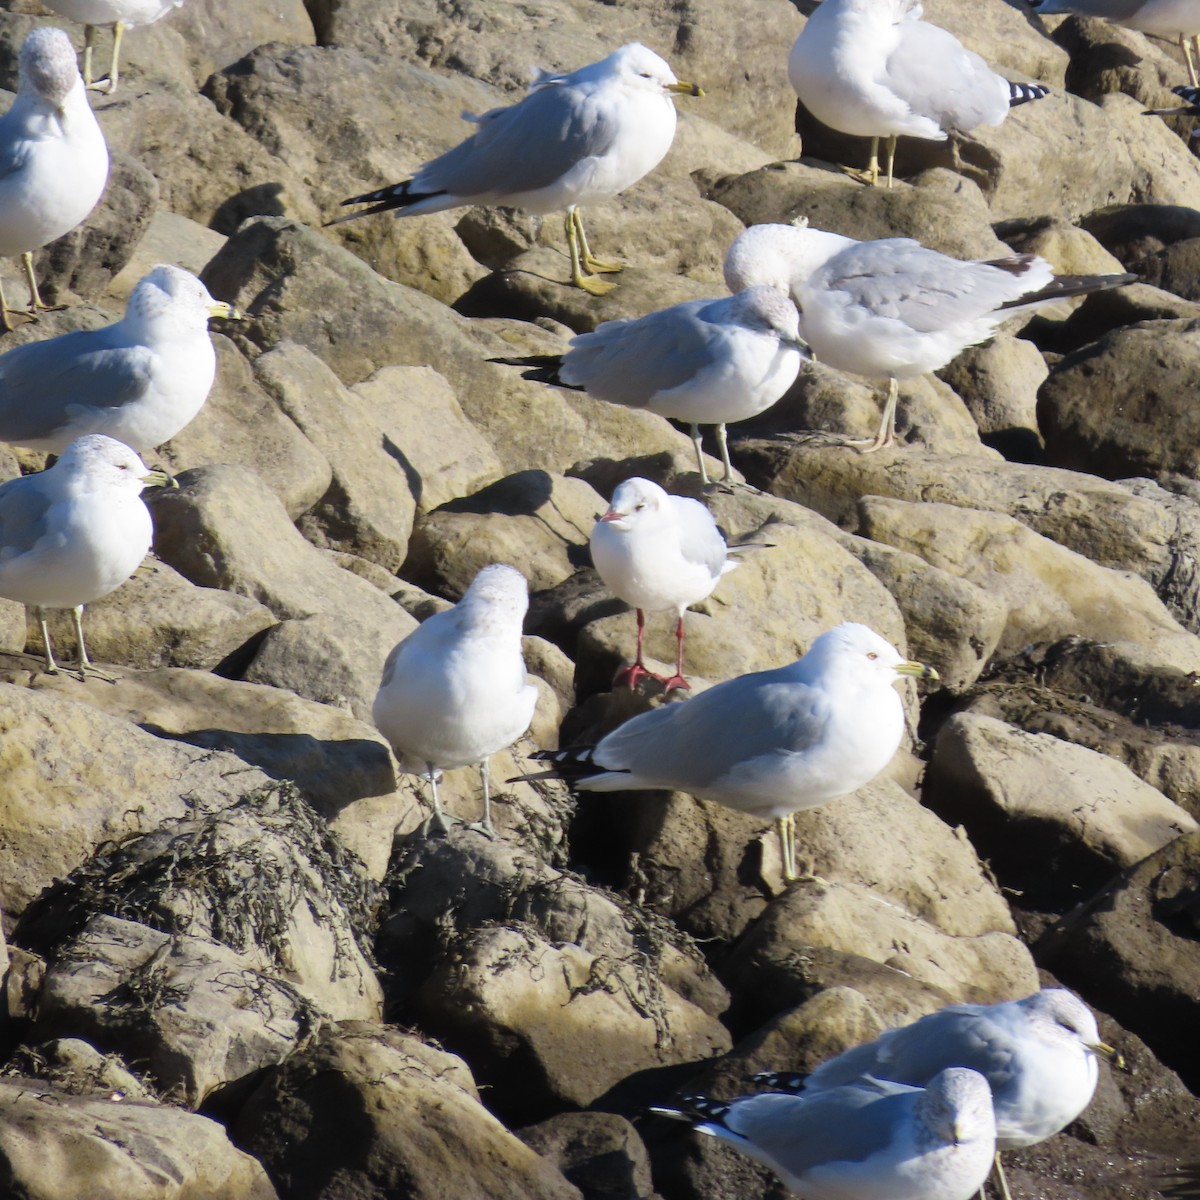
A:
[169,238]
[1050,591]
[54,1145]
[1029,799]
[70,775]
[396,1116]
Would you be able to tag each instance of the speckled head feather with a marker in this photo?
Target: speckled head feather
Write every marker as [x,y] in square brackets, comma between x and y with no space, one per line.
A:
[167,288]
[48,65]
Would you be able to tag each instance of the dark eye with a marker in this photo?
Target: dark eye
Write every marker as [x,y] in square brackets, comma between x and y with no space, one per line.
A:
[645,75]
[872,655]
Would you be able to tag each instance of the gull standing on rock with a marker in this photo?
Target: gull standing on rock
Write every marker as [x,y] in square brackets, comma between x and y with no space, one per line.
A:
[75,532]
[870,1140]
[706,362]
[53,158]
[770,743]
[454,691]
[657,551]
[571,140]
[1038,1055]
[140,380]
[874,69]
[121,15]
[893,308]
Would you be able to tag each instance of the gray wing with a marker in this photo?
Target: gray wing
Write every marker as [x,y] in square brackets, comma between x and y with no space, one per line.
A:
[692,745]
[959,1036]
[847,1125]
[14,151]
[926,290]
[631,362]
[700,540]
[938,77]
[526,146]
[44,384]
[24,504]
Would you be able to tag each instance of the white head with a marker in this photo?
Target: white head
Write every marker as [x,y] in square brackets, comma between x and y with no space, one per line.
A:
[170,298]
[104,462]
[1057,1015]
[858,653]
[499,591]
[47,65]
[636,502]
[769,310]
[957,1107]
[639,67]
[780,256]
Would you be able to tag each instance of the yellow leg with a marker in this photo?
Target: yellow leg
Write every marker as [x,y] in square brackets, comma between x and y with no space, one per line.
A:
[590,261]
[89,40]
[697,442]
[1191,51]
[871,175]
[5,312]
[51,665]
[886,434]
[786,828]
[891,160]
[596,287]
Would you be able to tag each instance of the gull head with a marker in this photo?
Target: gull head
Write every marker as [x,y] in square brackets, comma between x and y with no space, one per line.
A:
[103,462]
[780,256]
[858,653]
[499,591]
[47,65]
[957,1107]
[637,66]
[170,297]
[1058,1016]
[636,503]
[769,310]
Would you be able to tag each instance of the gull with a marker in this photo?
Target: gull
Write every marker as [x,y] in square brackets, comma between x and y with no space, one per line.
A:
[893,308]
[706,362]
[1189,108]
[454,691]
[657,551]
[53,158]
[1038,1055]
[769,743]
[121,15]
[870,1140]
[873,68]
[72,534]
[571,140]
[140,380]
[1166,18]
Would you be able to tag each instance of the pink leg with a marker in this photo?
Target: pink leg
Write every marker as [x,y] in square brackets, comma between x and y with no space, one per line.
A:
[629,676]
[677,680]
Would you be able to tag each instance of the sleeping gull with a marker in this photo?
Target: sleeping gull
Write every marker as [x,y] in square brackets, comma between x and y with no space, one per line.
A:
[1166,18]
[870,1140]
[873,68]
[893,308]
[770,743]
[121,15]
[571,140]
[454,691]
[53,158]
[706,362]
[1038,1054]
[140,380]
[75,532]
[657,551]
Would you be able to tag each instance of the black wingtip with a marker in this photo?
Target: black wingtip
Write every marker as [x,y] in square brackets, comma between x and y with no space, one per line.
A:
[1063,287]
[1023,93]
[779,1081]
[541,368]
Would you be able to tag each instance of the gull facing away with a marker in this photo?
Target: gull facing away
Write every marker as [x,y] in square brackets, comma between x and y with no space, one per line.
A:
[874,69]
[706,362]
[53,157]
[893,308]
[571,140]
[770,743]
[140,380]
[1038,1055]
[657,551]
[454,691]
[75,532]
[1166,18]
[869,1140]
[121,15]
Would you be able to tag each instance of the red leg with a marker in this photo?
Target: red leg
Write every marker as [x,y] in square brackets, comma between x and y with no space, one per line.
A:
[677,680]
[629,676]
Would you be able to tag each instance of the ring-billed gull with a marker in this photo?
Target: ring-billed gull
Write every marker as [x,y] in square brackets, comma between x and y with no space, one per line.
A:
[706,362]
[53,158]
[121,15]
[573,139]
[870,1140]
[454,691]
[656,551]
[1190,107]
[140,380]
[893,308]
[873,68]
[1038,1055]
[75,532]
[1166,18]
[770,743]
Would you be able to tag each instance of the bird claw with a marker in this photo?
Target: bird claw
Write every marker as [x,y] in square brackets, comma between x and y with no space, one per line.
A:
[486,828]
[594,287]
[676,681]
[602,266]
[630,675]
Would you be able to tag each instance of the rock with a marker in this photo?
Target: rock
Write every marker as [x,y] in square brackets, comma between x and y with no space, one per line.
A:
[392,1112]
[1174,268]
[1109,58]
[81,1070]
[601,1153]
[169,238]
[214,35]
[117,1149]
[1051,817]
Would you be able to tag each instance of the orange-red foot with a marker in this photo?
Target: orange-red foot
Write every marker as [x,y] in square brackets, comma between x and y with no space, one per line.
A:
[629,676]
[676,681]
